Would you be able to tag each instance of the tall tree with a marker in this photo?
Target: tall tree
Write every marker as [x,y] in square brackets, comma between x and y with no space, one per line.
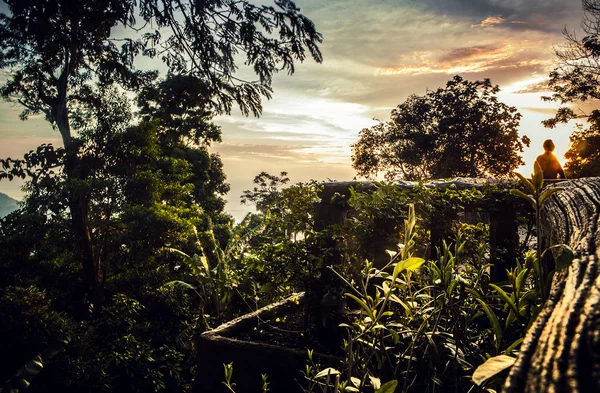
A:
[459,130]
[577,79]
[58,52]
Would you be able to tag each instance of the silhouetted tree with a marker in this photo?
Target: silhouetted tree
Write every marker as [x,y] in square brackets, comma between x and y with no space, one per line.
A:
[58,53]
[577,79]
[459,130]
[583,154]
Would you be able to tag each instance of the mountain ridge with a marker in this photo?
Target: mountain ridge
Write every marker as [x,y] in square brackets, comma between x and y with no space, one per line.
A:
[7,205]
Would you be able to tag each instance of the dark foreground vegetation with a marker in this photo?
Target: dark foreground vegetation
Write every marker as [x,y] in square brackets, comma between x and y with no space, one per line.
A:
[121,252]
[426,324]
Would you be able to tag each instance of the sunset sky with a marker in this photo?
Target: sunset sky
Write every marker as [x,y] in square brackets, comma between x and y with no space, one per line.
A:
[376,53]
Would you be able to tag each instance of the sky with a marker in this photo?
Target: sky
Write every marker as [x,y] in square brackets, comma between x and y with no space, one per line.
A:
[376,53]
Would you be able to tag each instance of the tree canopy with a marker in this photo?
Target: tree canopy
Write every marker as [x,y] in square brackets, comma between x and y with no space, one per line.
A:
[577,79]
[65,57]
[459,130]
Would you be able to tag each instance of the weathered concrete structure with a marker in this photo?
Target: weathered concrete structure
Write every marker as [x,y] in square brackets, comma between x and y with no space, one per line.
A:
[561,352]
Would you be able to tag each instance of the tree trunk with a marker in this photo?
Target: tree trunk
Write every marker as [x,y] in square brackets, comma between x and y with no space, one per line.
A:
[561,352]
[78,199]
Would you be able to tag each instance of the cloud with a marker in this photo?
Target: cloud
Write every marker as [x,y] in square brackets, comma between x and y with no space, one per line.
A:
[549,112]
[539,87]
[542,15]
[490,21]
[474,59]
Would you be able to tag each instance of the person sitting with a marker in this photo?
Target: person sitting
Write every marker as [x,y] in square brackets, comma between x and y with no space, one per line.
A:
[549,163]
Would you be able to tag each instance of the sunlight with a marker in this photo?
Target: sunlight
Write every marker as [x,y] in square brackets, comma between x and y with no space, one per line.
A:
[534,82]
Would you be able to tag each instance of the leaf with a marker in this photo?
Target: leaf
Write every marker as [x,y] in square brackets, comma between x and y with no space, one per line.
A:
[514,345]
[182,284]
[362,304]
[326,372]
[395,335]
[521,277]
[548,192]
[525,181]
[411,263]
[538,176]
[20,383]
[474,293]
[564,259]
[396,299]
[388,387]
[521,194]
[496,328]
[376,382]
[510,319]
[34,366]
[492,367]
[506,298]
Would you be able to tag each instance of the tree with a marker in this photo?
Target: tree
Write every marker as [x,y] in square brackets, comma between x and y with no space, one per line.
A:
[583,154]
[266,196]
[459,130]
[577,79]
[60,52]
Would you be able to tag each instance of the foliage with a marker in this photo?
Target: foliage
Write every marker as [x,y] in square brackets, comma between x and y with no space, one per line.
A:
[459,130]
[575,79]
[538,195]
[266,195]
[203,40]
[428,324]
[210,279]
[583,155]
[146,187]
[378,215]
[62,60]
[376,219]
[277,253]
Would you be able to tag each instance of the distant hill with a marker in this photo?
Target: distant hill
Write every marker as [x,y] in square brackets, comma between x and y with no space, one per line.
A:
[7,205]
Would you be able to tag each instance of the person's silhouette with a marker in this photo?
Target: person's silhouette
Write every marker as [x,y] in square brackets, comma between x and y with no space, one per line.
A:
[549,163]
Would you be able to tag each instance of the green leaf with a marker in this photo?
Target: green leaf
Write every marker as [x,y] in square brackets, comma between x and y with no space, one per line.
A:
[182,284]
[510,319]
[496,328]
[473,293]
[492,367]
[388,387]
[506,298]
[521,194]
[395,335]
[362,304]
[514,345]
[547,193]
[521,277]
[525,181]
[406,307]
[564,259]
[412,263]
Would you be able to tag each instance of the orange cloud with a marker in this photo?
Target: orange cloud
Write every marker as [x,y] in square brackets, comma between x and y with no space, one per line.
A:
[490,21]
[468,59]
